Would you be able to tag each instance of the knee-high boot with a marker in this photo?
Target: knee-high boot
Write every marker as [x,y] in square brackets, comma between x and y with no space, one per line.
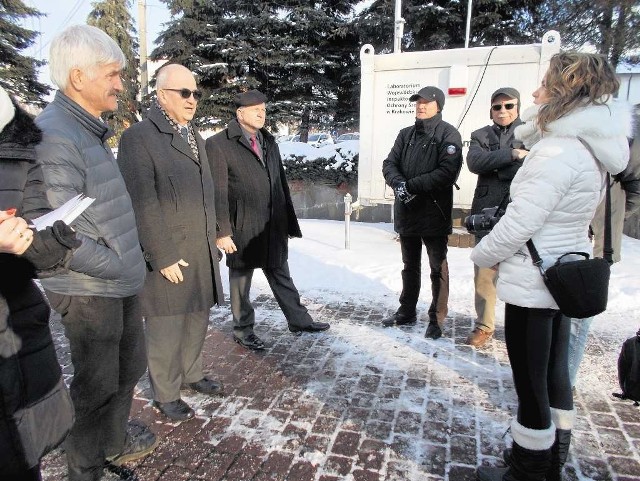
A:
[564,420]
[530,458]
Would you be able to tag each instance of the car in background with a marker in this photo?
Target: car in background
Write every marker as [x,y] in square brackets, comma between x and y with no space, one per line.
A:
[349,136]
[318,140]
[285,138]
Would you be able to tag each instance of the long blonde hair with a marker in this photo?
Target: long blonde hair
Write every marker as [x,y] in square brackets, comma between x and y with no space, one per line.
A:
[575,79]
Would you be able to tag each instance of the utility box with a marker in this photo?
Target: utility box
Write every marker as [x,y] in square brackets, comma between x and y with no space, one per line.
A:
[468,77]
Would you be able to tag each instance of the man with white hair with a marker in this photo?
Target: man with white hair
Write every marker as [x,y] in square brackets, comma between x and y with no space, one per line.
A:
[97,297]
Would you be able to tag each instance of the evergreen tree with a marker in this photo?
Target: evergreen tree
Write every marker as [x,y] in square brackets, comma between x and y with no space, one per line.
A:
[18,73]
[441,24]
[292,50]
[114,18]
[610,26]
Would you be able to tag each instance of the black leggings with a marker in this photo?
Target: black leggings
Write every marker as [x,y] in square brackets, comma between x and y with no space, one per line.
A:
[538,348]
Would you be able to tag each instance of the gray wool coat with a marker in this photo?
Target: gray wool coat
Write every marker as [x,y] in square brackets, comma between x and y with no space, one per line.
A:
[252,200]
[173,199]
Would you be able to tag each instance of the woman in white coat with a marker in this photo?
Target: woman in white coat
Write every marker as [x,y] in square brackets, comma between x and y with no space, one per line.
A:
[553,198]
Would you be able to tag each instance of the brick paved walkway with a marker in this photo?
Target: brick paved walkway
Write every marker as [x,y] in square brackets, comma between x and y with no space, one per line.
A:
[364,403]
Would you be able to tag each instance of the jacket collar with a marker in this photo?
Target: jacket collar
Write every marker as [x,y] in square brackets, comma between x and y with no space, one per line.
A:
[88,121]
[156,116]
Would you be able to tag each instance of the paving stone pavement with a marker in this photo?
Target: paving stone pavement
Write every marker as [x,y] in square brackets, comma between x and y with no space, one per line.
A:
[362,403]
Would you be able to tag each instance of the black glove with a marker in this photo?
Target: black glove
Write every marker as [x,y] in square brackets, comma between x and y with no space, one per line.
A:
[402,194]
[51,249]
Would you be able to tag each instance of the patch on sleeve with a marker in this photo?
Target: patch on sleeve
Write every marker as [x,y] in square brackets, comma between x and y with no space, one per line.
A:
[451,149]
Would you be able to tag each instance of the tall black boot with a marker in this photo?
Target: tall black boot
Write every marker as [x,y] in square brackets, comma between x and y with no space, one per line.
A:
[525,465]
[559,453]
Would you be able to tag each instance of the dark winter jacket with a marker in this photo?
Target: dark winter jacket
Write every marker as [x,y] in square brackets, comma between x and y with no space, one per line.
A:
[253,203]
[490,158]
[76,159]
[428,156]
[173,198]
[29,368]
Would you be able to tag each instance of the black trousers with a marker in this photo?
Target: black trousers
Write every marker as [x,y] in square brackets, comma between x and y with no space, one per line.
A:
[283,288]
[106,338]
[411,247]
[538,348]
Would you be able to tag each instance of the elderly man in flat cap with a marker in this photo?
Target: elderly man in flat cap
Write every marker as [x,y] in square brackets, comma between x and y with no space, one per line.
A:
[495,156]
[421,168]
[164,164]
[255,217]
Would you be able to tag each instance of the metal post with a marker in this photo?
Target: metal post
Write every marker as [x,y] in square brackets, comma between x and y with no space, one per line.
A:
[142,32]
[398,27]
[347,221]
[468,29]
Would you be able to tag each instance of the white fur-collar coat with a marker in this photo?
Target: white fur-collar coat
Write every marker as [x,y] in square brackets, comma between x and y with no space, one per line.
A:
[554,196]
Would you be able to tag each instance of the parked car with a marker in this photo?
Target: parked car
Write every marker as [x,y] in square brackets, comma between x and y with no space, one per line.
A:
[349,136]
[285,138]
[318,140]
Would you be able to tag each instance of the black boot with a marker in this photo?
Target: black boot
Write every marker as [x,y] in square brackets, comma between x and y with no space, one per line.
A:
[559,453]
[525,465]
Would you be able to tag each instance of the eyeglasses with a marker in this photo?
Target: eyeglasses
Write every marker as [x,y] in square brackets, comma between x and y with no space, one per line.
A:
[186,93]
[498,107]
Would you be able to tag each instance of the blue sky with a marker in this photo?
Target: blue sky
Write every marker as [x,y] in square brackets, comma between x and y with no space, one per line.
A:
[63,13]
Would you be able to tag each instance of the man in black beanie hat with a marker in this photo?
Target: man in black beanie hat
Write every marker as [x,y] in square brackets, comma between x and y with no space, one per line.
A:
[255,217]
[495,156]
[421,168]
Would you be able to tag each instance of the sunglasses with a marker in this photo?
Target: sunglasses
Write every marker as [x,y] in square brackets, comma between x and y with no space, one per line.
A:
[498,107]
[186,93]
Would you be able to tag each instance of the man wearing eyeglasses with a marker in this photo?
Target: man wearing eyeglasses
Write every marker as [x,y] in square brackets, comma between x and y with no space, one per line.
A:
[495,156]
[255,218]
[165,167]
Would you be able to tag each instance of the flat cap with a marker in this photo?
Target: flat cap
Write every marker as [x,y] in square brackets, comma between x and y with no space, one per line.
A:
[249,98]
[430,94]
[508,91]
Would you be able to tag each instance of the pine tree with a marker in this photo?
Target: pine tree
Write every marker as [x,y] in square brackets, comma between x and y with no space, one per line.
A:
[293,51]
[114,18]
[441,24]
[18,73]
[609,26]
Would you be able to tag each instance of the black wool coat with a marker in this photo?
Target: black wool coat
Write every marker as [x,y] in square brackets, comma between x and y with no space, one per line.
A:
[29,368]
[253,201]
[428,157]
[489,157]
[173,199]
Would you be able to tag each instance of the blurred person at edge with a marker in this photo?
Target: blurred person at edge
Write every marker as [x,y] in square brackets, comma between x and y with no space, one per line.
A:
[554,196]
[29,369]
[97,297]
[625,202]
[495,156]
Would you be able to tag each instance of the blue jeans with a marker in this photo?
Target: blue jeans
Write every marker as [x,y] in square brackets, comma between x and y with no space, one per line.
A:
[577,345]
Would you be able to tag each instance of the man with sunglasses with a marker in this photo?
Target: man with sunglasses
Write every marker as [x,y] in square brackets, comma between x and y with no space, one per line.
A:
[495,156]
[164,164]
[255,218]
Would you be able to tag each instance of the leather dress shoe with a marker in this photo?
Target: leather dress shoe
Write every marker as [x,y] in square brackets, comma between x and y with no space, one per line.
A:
[433,331]
[139,442]
[479,338]
[206,386]
[250,341]
[177,410]
[313,327]
[399,320]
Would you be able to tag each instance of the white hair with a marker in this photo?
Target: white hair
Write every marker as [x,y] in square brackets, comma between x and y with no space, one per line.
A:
[83,47]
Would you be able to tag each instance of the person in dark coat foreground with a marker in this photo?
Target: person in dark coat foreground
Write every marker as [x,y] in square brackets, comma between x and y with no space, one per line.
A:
[421,168]
[164,165]
[255,217]
[29,369]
